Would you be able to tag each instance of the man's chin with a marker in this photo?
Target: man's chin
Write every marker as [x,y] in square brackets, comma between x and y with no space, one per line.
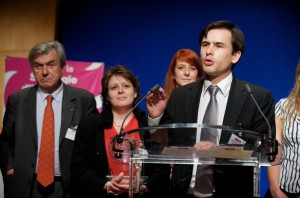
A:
[47,87]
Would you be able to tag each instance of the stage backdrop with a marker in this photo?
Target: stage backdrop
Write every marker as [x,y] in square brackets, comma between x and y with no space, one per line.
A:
[86,75]
[144,35]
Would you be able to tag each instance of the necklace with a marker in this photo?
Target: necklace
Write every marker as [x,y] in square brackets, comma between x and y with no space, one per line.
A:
[116,124]
[119,125]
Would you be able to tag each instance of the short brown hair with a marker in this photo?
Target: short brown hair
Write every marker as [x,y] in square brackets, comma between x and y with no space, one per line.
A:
[238,41]
[123,71]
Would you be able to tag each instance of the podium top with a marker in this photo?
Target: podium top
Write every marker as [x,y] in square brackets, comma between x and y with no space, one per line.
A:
[195,125]
[159,148]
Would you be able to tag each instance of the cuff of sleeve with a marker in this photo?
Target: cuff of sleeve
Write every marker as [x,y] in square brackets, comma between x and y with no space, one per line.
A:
[154,121]
[106,187]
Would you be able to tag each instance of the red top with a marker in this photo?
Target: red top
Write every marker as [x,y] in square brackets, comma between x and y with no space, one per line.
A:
[116,166]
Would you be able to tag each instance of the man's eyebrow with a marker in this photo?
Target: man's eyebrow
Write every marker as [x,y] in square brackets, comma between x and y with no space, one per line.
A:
[51,61]
[205,42]
[219,43]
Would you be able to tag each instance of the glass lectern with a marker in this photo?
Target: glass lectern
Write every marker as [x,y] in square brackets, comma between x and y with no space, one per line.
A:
[259,150]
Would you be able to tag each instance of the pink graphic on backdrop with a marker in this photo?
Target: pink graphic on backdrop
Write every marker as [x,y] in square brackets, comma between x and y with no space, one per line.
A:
[85,75]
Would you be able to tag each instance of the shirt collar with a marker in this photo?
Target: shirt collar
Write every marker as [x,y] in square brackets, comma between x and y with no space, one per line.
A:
[57,94]
[224,85]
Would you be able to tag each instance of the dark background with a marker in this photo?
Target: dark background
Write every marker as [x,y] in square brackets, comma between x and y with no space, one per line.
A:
[145,34]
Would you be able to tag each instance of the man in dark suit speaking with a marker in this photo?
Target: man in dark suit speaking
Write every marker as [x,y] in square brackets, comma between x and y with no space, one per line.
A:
[221,47]
[39,128]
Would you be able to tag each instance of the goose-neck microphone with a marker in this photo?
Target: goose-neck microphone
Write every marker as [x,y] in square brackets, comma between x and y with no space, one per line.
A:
[271,142]
[121,136]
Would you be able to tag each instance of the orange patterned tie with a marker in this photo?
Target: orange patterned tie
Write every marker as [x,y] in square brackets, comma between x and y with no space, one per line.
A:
[45,172]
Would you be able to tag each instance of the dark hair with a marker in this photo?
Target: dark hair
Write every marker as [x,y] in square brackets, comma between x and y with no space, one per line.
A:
[45,48]
[184,55]
[119,70]
[238,42]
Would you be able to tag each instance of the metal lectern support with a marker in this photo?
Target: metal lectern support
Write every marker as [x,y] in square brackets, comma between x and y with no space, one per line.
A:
[134,181]
[256,171]
[130,178]
[256,178]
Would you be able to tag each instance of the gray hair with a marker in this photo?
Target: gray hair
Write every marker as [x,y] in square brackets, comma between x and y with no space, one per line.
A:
[45,48]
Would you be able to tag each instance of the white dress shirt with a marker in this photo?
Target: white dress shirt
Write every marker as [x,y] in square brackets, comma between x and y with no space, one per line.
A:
[222,98]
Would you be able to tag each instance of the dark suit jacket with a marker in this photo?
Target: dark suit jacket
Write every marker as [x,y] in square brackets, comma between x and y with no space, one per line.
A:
[89,166]
[240,111]
[18,140]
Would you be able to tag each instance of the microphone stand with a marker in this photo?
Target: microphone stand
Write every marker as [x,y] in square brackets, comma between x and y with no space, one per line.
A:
[271,144]
[122,136]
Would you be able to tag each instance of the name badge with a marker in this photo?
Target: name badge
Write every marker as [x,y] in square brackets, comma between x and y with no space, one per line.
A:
[71,132]
[234,139]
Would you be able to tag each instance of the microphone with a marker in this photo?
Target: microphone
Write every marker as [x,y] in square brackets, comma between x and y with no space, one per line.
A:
[121,137]
[271,141]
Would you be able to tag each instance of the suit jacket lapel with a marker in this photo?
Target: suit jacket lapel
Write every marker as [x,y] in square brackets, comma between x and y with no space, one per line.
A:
[192,106]
[68,111]
[193,101]
[30,107]
[236,100]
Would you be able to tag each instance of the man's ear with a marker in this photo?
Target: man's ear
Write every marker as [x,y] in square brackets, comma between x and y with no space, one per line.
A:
[236,57]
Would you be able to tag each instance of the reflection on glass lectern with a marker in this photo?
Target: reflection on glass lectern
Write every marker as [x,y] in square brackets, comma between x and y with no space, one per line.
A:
[257,149]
